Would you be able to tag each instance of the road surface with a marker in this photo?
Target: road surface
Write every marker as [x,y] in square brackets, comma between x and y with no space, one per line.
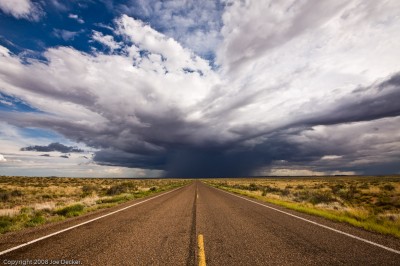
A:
[164,230]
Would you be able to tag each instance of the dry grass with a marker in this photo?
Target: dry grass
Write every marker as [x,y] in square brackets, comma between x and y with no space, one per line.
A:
[372,203]
[31,201]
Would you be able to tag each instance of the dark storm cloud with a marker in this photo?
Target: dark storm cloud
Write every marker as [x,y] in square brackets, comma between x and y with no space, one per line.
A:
[52,147]
[214,159]
[120,158]
[369,103]
[210,163]
[236,160]
[378,168]
[171,144]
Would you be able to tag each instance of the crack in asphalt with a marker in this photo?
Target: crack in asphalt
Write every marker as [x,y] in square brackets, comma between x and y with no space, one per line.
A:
[192,257]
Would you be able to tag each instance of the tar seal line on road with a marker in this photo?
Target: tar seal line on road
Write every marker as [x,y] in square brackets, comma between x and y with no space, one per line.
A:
[191,260]
[318,224]
[75,226]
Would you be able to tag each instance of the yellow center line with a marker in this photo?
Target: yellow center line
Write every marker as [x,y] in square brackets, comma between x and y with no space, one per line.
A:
[202,254]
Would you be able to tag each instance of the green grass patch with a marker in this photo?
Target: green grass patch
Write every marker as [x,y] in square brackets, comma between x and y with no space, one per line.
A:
[71,211]
[6,223]
[36,220]
[116,199]
[26,218]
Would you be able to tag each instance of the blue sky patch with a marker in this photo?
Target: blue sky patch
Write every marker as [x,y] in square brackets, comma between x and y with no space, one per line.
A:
[72,24]
[9,103]
[52,136]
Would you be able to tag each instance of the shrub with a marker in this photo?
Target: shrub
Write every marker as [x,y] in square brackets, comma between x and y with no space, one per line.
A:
[131,186]
[26,210]
[117,189]
[16,193]
[385,202]
[271,189]
[253,187]
[116,199]
[89,189]
[285,192]
[36,220]
[4,196]
[321,197]
[348,194]
[224,184]
[153,189]
[299,187]
[5,223]
[364,186]
[336,188]
[70,211]
[388,187]
[237,186]
[302,195]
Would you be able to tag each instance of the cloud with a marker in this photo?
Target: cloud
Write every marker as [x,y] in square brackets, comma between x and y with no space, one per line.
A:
[5,102]
[194,24]
[294,172]
[295,89]
[304,172]
[52,147]
[33,165]
[330,157]
[2,159]
[25,9]
[376,145]
[59,5]
[76,17]
[106,40]
[367,103]
[267,25]
[66,35]
[112,157]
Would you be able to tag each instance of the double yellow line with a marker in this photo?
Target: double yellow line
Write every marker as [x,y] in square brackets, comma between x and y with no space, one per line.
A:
[202,254]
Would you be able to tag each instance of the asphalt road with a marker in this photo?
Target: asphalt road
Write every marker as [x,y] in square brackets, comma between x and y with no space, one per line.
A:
[164,231]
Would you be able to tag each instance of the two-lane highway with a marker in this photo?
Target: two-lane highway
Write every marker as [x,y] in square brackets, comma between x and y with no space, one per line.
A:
[164,230]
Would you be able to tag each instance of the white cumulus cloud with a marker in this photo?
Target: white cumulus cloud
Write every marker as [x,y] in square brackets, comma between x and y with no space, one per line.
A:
[25,9]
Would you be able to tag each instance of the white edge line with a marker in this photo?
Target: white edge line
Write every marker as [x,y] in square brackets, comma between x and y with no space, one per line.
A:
[77,225]
[318,224]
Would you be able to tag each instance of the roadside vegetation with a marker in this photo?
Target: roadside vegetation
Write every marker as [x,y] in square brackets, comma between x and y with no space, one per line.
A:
[32,201]
[372,203]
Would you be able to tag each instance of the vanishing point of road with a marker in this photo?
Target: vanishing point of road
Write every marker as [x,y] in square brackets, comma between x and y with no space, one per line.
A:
[198,225]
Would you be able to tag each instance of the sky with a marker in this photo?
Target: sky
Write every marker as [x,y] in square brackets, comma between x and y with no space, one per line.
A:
[184,88]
